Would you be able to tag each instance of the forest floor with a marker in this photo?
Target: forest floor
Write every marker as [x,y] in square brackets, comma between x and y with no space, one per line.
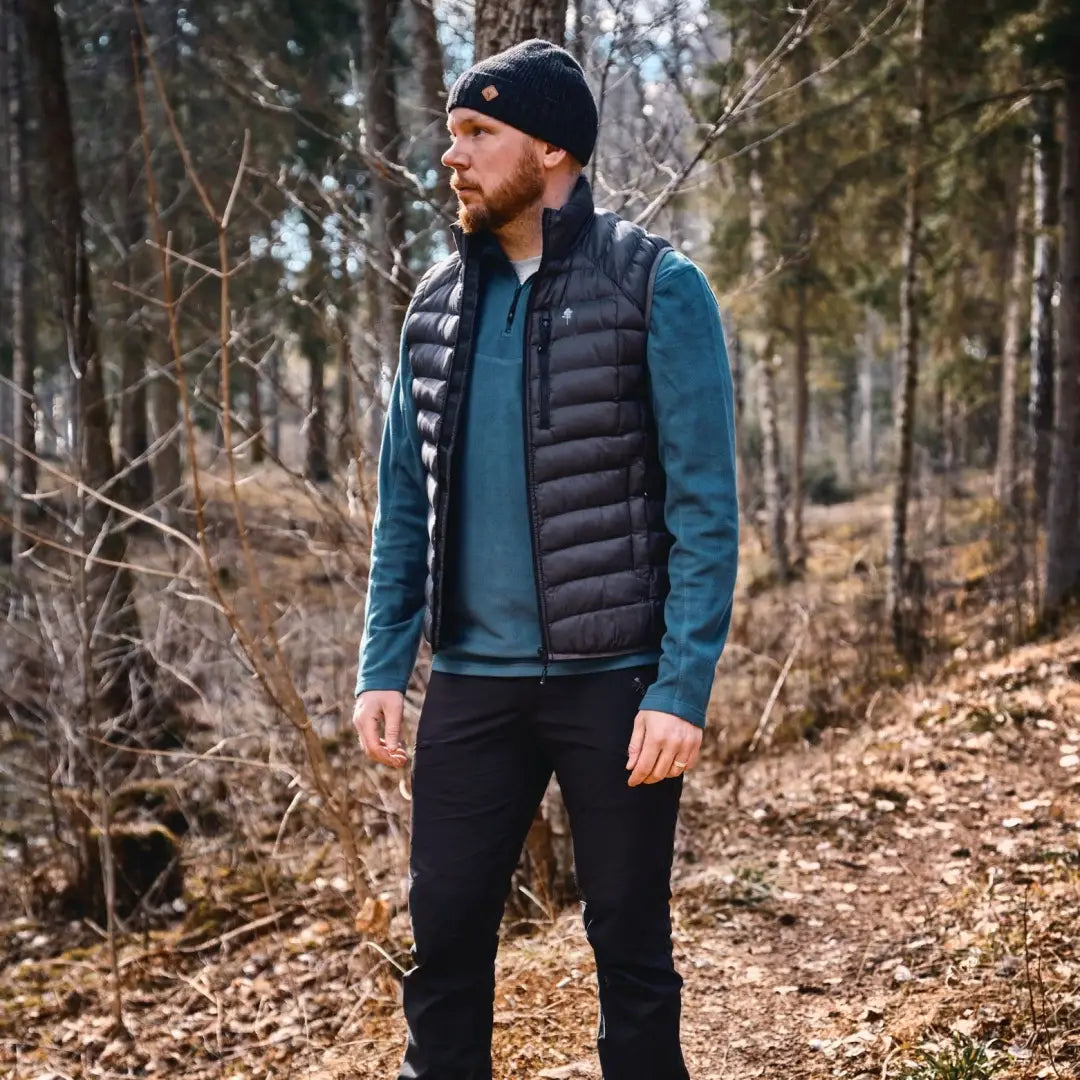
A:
[896,897]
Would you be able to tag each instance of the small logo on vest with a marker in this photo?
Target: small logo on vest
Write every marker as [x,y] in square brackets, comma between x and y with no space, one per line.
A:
[489,93]
[567,315]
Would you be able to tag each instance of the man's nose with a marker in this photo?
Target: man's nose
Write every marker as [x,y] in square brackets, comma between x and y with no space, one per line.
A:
[454,158]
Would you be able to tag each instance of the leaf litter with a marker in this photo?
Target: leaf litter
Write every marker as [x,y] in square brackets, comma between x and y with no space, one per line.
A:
[878,905]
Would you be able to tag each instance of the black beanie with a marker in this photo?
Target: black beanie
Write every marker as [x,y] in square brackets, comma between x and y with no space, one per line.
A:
[539,89]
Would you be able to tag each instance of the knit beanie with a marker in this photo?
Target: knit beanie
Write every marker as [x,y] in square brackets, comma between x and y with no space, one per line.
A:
[539,89]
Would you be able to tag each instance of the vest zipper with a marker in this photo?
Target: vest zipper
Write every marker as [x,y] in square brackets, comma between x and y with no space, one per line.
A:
[544,350]
[530,483]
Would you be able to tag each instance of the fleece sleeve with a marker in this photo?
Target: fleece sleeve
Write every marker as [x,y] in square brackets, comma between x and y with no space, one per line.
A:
[690,381]
[394,612]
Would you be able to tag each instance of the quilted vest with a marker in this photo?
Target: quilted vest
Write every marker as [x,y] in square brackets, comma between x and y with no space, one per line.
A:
[594,480]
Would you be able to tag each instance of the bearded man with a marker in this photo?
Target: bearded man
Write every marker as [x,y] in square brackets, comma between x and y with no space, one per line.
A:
[557,513]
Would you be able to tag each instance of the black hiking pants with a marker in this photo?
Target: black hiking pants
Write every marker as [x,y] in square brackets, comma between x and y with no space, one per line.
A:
[485,750]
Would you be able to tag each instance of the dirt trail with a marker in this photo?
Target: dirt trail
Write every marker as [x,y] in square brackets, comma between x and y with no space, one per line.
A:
[861,899]
[913,881]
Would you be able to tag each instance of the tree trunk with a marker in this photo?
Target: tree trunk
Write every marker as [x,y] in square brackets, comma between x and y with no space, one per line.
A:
[1063,498]
[772,476]
[110,619]
[313,345]
[23,465]
[579,37]
[747,478]
[369,364]
[502,23]
[346,443]
[1044,268]
[274,400]
[944,409]
[166,465]
[772,480]
[386,245]
[138,481]
[1006,488]
[549,854]
[316,463]
[867,360]
[432,65]
[803,66]
[899,600]
[849,390]
[256,436]
[802,407]
[8,91]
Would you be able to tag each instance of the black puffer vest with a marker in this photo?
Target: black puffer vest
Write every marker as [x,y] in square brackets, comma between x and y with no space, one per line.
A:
[594,480]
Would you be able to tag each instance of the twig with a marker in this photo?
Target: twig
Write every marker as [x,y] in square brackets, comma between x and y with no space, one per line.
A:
[236,932]
[272,673]
[1041,1034]
[763,723]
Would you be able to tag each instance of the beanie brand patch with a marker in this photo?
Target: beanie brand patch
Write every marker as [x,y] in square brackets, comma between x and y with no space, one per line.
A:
[489,93]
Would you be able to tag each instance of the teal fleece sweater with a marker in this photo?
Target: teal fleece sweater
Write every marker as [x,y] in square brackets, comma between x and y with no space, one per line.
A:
[492,616]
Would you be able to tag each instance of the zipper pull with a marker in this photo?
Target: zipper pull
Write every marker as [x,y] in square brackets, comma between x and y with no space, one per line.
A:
[513,309]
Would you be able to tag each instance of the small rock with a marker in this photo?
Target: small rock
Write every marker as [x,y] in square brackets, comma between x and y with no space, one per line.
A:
[902,974]
[1009,966]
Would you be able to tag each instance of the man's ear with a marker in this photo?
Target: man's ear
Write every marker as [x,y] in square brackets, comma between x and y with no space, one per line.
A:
[554,155]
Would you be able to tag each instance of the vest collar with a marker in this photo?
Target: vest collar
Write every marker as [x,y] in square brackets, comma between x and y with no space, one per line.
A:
[560,227]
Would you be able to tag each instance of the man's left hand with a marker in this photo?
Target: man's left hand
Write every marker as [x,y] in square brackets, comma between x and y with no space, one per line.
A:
[662,746]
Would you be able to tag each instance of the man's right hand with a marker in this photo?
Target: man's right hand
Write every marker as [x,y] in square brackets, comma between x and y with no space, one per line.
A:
[381,711]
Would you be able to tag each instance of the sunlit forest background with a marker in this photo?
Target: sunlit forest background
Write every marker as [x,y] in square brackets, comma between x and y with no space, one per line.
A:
[212,216]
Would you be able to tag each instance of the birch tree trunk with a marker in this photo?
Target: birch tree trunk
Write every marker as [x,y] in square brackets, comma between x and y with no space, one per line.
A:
[802,407]
[771,472]
[579,35]
[898,598]
[1006,488]
[1044,268]
[772,476]
[109,618]
[1063,498]
[747,479]
[502,23]
[802,65]
[867,342]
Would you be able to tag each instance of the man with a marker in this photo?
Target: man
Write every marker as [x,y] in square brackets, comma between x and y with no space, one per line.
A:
[557,509]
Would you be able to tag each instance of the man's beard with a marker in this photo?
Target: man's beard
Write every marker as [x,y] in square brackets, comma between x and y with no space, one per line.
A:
[523,188]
